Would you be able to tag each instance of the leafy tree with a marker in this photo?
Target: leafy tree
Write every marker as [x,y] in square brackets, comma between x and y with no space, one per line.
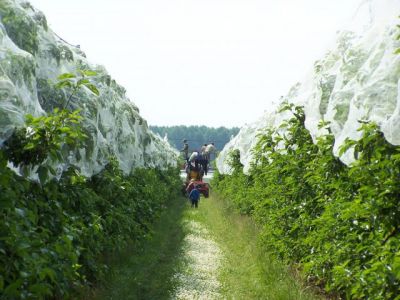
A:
[196,135]
[43,137]
[338,223]
[54,235]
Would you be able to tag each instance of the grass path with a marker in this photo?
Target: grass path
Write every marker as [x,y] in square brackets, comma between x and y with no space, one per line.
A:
[205,253]
[246,272]
[148,272]
[197,278]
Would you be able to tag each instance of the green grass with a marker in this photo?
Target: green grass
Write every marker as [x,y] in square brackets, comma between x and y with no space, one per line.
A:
[147,273]
[247,271]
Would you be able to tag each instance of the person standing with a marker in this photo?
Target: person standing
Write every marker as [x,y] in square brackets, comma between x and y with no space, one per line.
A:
[203,149]
[193,156]
[185,149]
[203,162]
[210,149]
[194,197]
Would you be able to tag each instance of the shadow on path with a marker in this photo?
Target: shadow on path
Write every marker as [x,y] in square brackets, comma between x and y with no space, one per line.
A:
[148,272]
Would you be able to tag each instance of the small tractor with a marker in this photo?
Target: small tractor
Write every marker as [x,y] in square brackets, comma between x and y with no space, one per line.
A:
[194,179]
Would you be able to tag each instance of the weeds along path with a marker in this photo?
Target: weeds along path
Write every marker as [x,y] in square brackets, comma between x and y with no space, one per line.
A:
[205,253]
[148,272]
[246,271]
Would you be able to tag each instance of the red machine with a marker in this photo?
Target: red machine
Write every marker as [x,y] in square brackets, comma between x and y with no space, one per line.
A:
[203,187]
[195,179]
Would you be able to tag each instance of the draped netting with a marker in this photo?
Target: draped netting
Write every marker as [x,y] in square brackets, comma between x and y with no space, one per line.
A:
[358,79]
[32,56]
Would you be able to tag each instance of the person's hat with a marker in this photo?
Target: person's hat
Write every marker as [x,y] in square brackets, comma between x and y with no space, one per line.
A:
[184,141]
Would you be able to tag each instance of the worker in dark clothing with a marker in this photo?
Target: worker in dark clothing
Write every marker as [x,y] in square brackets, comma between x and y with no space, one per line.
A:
[194,197]
[203,162]
[185,150]
[198,160]
[203,150]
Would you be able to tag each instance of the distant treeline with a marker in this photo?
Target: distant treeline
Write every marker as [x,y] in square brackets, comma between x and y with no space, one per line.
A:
[196,135]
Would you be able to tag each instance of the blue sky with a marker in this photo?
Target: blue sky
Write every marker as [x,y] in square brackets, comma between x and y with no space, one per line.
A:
[192,62]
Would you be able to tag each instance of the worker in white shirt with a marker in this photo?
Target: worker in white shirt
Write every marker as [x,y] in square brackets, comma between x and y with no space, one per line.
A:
[203,149]
[210,149]
[193,156]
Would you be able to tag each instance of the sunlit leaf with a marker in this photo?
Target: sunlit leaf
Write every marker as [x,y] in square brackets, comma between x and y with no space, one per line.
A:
[89,73]
[63,84]
[66,76]
[82,81]
[43,174]
[93,89]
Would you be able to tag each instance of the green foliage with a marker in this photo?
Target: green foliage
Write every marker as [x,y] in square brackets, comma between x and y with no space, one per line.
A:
[20,69]
[52,236]
[146,270]
[247,270]
[20,28]
[44,136]
[234,161]
[74,82]
[339,224]
[60,52]
[235,187]
[49,96]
